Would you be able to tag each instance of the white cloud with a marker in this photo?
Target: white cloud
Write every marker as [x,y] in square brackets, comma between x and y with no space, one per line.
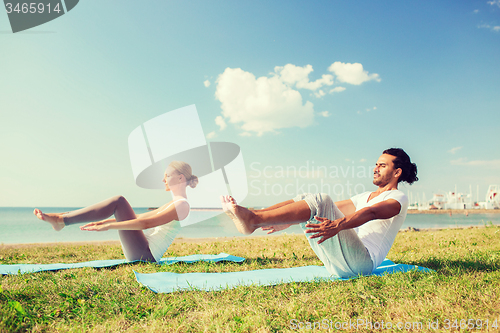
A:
[494,2]
[264,104]
[352,73]
[454,150]
[325,114]
[476,11]
[337,89]
[269,103]
[206,83]
[488,26]
[220,122]
[362,160]
[480,163]
[211,135]
[291,74]
[367,110]
[299,76]
[319,93]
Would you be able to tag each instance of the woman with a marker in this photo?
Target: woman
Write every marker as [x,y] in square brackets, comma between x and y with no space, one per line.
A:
[162,224]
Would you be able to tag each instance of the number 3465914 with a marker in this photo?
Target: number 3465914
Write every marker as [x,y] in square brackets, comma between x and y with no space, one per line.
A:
[31,8]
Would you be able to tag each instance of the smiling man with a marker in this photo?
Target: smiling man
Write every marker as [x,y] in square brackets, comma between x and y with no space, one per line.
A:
[354,235]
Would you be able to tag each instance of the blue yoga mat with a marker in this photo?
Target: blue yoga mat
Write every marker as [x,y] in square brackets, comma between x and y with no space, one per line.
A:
[32,268]
[166,282]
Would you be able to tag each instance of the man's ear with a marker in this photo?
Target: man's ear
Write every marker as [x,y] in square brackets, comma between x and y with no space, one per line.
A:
[398,172]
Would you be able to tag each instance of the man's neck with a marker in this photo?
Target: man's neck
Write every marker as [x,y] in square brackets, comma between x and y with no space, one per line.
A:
[382,189]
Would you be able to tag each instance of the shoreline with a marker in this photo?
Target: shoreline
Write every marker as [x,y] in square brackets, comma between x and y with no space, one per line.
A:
[117,242]
[218,239]
[454,211]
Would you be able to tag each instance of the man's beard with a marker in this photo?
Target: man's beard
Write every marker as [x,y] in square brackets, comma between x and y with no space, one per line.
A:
[379,181]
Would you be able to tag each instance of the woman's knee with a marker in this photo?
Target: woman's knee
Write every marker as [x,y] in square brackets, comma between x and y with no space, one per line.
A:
[119,199]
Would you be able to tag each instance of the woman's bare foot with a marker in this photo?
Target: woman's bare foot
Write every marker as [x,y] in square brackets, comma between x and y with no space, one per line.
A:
[244,219]
[56,219]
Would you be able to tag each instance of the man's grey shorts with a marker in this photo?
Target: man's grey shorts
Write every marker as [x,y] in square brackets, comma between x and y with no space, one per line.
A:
[343,255]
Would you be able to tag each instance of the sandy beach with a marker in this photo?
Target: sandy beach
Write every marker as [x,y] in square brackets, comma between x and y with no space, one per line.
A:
[210,239]
[410,211]
[454,211]
[117,242]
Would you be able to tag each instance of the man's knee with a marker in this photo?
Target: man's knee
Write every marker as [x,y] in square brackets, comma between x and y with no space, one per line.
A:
[325,205]
[324,197]
[318,197]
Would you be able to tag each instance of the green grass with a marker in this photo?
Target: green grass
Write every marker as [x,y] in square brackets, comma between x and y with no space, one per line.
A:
[465,285]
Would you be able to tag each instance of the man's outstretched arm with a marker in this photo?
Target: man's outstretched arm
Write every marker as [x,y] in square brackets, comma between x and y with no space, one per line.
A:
[346,207]
[327,228]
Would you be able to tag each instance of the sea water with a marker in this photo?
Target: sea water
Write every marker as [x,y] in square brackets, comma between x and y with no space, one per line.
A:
[19,225]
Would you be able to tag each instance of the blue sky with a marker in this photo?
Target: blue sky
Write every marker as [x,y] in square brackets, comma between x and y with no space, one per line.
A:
[324,84]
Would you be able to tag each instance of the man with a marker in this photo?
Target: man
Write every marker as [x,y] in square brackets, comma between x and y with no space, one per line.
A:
[355,234]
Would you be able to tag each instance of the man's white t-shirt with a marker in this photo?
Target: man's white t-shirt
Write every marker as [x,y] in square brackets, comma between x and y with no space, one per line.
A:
[378,235]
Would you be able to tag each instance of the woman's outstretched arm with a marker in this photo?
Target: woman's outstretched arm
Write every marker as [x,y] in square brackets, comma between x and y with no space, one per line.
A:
[144,221]
[147,214]
[153,212]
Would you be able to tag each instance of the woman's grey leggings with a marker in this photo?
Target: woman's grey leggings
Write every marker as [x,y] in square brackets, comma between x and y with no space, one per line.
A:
[343,255]
[134,244]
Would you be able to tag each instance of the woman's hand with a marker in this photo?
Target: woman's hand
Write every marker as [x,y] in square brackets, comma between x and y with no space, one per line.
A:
[326,229]
[275,228]
[97,226]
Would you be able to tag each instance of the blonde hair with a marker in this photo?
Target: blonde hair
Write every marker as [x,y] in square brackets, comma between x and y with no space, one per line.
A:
[185,169]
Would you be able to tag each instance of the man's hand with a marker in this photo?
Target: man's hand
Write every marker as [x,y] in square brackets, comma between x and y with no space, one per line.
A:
[326,229]
[275,228]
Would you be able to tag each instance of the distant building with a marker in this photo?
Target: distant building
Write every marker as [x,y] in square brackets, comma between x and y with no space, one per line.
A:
[458,201]
[492,198]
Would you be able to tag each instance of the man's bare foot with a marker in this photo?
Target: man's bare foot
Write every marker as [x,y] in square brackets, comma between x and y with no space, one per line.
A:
[244,220]
[274,228]
[56,219]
